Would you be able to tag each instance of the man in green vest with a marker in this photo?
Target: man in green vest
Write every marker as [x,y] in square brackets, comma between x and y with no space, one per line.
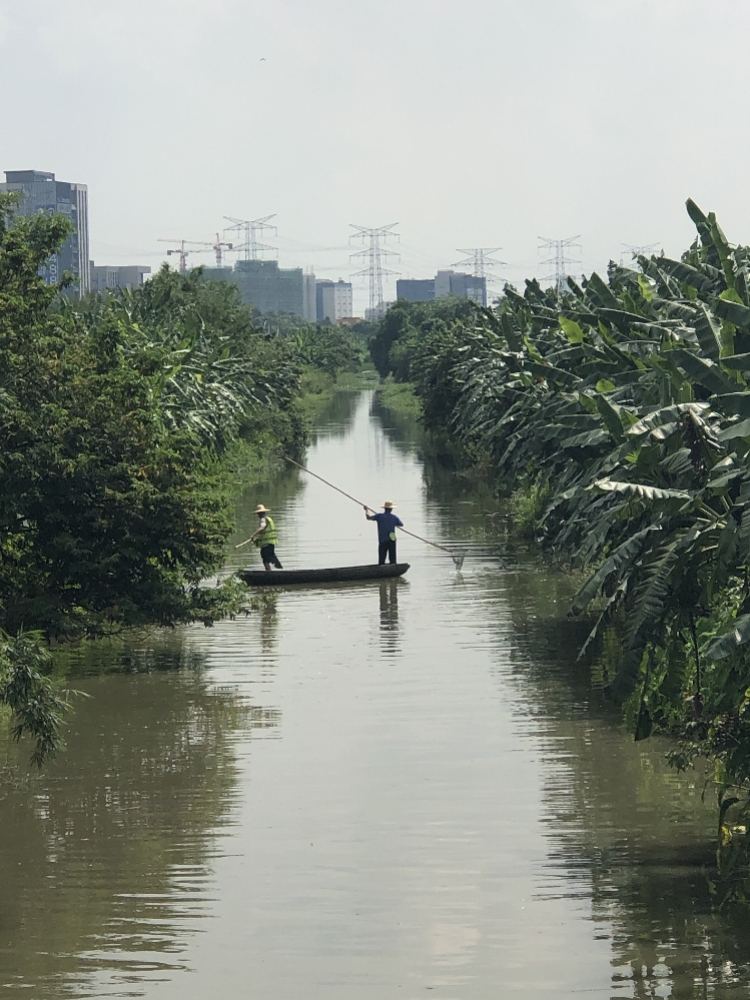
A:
[265,538]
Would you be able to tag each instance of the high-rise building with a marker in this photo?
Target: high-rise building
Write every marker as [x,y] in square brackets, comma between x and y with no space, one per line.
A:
[270,288]
[105,277]
[445,283]
[415,289]
[462,286]
[265,285]
[41,192]
[309,298]
[335,300]
[319,286]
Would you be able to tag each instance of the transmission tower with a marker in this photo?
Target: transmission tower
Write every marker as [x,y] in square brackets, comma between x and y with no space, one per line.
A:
[645,249]
[559,259]
[248,230]
[479,259]
[375,253]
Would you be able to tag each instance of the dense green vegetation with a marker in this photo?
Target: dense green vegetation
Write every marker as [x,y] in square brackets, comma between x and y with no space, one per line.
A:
[122,418]
[621,408]
[321,347]
[399,398]
[332,358]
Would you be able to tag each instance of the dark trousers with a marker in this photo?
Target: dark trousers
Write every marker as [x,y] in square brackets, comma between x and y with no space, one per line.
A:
[386,549]
[268,555]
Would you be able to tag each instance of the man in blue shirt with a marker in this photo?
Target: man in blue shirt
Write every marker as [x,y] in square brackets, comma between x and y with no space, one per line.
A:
[387,524]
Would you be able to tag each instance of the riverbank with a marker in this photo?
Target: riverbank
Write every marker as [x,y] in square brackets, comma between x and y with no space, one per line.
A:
[615,431]
[360,789]
[398,398]
[621,444]
[130,418]
[318,388]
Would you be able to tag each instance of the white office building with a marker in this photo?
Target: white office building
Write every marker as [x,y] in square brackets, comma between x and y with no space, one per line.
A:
[335,300]
[106,277]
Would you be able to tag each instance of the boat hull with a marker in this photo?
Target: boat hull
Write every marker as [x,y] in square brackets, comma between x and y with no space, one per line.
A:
[337,574]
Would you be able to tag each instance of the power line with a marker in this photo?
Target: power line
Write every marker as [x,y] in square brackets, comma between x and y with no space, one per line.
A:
[645,250]
[375,253]
[248,230]
[559,259]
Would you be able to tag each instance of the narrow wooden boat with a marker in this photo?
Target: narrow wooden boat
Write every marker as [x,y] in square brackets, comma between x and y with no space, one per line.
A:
[337,574]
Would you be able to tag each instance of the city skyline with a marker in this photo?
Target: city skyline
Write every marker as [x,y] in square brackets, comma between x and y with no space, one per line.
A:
[41,191]
[514,121]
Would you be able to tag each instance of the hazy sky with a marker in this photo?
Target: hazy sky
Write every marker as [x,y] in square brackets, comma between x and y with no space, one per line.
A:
[468,122]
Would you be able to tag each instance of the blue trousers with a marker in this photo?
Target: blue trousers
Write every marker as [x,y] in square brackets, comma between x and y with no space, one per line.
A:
[387,549]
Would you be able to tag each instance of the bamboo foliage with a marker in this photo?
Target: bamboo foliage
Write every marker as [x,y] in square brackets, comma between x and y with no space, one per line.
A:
[626,398]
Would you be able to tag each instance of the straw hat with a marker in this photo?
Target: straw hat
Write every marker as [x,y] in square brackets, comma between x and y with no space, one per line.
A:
[388,505]
[260,509]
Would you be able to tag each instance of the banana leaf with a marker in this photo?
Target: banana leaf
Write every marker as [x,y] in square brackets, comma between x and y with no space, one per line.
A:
[641,490]
[733,311]
[704,372]
[685,272]
[737,362]
[725,645]
[738,430]
[622,555]
[708,332]
[733,402]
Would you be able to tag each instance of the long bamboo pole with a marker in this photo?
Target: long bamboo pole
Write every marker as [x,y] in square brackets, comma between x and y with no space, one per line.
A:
[457,557]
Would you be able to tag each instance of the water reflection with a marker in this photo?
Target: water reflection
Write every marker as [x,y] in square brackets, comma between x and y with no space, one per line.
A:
[389,631]
[403,431]
[334,419]
[268,625]
[626,835]
[625,831]
[107,855]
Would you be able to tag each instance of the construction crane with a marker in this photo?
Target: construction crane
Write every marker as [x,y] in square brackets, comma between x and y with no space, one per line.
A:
[217,246]
[182,251]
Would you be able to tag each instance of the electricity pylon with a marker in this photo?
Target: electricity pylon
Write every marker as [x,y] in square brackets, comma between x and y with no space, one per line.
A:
[559,259]
[479,259]
[248,230]
[645,249]
[375,253]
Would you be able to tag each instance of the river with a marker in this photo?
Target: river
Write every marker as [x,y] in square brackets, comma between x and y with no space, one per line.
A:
[367,791]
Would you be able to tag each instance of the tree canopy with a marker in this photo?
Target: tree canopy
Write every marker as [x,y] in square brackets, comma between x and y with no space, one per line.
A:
[116,414]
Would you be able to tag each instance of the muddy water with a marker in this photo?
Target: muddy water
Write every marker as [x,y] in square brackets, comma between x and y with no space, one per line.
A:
[374,791]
